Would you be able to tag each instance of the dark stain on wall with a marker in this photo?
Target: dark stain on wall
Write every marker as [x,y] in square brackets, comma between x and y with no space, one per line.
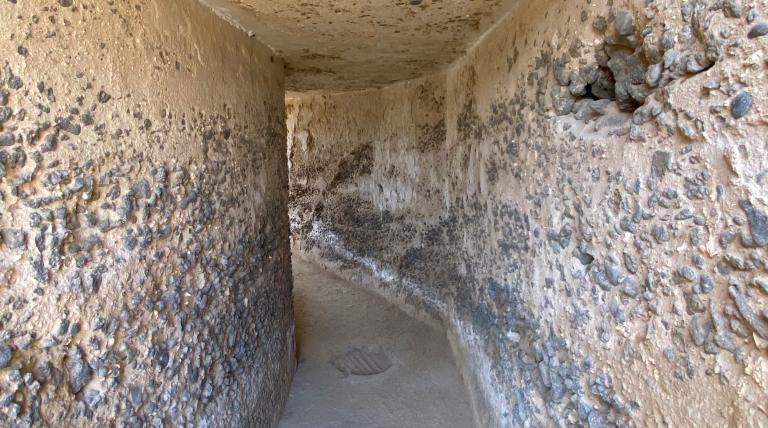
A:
[602,209]
[140,284]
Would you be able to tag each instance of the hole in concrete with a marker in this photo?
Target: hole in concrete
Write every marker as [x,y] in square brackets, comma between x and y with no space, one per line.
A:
[589,93]
[620,77]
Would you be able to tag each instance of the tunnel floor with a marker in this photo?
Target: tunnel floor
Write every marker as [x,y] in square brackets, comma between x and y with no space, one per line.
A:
[345,335]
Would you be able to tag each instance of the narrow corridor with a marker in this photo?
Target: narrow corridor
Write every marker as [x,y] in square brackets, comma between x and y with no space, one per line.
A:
[576,190]
[421,388]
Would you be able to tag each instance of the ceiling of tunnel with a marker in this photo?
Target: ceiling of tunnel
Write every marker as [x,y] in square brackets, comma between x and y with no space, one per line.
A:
[355,44]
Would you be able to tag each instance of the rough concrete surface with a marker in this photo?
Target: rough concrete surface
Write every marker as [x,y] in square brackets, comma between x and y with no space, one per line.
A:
[357,44]
[577,196]
[420,386]
[580,199]
[144,263]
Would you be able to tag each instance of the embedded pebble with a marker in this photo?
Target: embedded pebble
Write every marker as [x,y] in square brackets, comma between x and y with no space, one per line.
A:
[660,233]
[726,238]
[741,105]
[699,329]
[6,139]
[687,273]
[757,221]
[6,354]
[759,325]
[706,282]
[14,238]
[761,283]
[623,24]
[758,30]
[629,287]
[103,97]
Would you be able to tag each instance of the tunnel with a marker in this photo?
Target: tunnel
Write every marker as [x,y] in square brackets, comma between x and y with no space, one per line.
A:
[369,213]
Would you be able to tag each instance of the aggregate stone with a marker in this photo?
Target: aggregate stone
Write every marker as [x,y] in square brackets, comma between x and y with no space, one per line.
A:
[15,82]
[760,29]
[66,125]
[63,327]
[738,262]
[6,354]
[711,85]
[92,398]
[6,139]
[697,260]
[78,371]
[684,214]
[723,339]
[733,8]
[660,233]
[654,74]
[661,163]
[613,272]
[103,97]
[14,238]
[670,59]
[758,324]
[738,328]
[697,235]
[624,23]
[726,238]
[757,221]
[741,105]
[630,263]
[601,280]
[687,273]
[629,287]
[5,114]
[583,254]
[49,142]
[600,24]
[699,329]
[49,342]
[751,15]
[628,225]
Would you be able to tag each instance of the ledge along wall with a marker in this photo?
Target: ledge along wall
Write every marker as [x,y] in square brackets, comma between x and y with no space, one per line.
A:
[580,200]
[144,262]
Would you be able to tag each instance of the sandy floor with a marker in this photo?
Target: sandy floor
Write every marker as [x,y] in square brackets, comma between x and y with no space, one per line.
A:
[422,388]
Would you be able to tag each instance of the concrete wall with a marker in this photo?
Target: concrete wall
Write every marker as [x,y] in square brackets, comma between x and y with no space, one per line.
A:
[580,200]
[144,262]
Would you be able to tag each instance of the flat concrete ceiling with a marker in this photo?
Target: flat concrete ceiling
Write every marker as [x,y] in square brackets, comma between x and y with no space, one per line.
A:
[355,44]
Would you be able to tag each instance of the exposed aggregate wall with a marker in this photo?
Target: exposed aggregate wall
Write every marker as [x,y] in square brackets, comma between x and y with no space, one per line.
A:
[580,199]
[144,262]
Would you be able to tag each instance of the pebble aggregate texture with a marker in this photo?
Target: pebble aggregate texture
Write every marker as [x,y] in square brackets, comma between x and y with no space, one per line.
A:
[580,200]
[145,272]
